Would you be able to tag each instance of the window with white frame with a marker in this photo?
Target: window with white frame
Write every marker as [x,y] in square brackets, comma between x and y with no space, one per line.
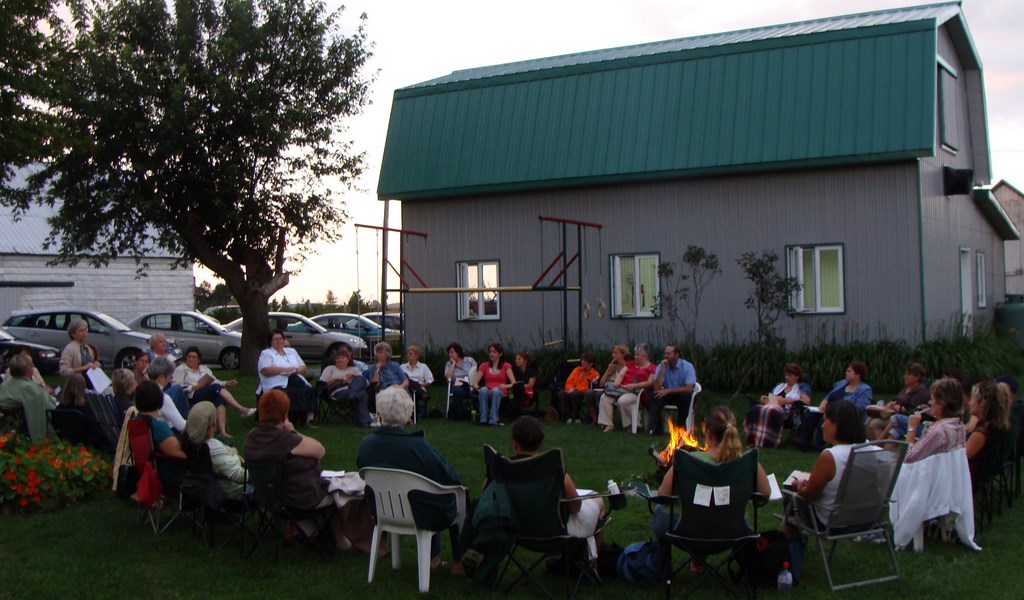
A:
[819,270]
[635,285]
[479,305]
[982,291]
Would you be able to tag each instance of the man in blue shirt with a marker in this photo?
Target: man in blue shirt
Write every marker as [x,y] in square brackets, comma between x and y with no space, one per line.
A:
[673,385]
[383,374]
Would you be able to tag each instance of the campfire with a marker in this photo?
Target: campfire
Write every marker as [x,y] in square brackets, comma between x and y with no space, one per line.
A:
[679,438]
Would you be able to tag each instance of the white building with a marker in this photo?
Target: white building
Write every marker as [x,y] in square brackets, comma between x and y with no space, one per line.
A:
[27,281]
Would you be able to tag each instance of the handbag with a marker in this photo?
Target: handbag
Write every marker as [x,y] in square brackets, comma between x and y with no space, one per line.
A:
[614,391]
[127,481]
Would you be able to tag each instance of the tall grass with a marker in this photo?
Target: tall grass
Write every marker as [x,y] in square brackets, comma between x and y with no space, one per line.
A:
[982,355]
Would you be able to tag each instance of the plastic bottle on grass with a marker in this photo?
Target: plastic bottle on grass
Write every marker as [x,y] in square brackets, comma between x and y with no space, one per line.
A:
[785,579]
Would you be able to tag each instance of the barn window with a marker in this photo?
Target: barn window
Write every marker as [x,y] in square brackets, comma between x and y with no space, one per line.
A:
[819,270]
[634,285]
[479,305]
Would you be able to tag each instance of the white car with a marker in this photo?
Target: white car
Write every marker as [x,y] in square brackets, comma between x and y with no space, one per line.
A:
[311,341]
[188,328]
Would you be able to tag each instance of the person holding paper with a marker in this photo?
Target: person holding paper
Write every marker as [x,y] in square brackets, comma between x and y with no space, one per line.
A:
[77,357]
[843,426]
[200,385]
[724,445]
[765,421]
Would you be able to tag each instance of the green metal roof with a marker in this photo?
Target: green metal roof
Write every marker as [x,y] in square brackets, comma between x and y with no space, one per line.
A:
[859,88]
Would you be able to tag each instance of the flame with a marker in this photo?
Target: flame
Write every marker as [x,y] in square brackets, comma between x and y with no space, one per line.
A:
[679,437]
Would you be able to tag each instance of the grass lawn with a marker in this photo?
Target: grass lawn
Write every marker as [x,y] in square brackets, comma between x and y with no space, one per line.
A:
[97,550]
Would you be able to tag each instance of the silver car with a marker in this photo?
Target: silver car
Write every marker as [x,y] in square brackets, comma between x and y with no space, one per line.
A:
[188,328]
[357,325]
[116,342]
[311,341]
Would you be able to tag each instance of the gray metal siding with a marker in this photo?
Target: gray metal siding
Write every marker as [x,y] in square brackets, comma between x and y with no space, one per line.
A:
[871,210]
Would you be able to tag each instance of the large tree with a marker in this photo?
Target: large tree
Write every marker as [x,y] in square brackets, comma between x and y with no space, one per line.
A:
[207,128]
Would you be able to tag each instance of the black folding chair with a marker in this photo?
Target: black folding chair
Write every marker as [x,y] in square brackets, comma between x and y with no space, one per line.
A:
[273,516]
[711,500]
[71,425]
[535,487]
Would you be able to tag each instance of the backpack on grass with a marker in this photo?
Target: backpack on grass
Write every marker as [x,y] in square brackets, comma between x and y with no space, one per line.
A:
[640,563]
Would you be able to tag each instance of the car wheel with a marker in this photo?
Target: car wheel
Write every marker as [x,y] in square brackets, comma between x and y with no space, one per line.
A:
[230,358]
[126,359]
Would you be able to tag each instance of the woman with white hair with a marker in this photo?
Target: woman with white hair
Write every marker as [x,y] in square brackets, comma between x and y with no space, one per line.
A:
[390,446]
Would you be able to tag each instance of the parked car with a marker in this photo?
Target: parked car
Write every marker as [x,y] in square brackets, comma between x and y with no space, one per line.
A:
[388,320]
[116,342]
[310,340]
[189,328]
[370,331]
[46,358]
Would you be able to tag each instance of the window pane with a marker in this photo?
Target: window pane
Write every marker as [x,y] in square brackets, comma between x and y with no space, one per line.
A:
[490,279]
[648,272]
[627,281]
[809,291]
[829,273]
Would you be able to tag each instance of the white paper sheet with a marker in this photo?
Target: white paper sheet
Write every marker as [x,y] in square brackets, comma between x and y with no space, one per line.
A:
[773,483]
[722,495]
[99,380]
[702,495]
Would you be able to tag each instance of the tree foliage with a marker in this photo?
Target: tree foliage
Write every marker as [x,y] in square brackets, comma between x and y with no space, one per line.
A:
[686,287]
[208,129]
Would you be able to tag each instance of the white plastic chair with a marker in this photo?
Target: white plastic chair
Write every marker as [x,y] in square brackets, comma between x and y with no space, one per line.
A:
[689,416]
[391,489]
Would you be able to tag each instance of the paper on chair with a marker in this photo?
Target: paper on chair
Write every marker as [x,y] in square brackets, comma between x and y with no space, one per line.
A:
[722,495]
[773,483]
[99,380]
[702,495]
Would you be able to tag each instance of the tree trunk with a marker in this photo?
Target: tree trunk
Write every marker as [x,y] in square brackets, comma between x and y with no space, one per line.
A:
[256,330]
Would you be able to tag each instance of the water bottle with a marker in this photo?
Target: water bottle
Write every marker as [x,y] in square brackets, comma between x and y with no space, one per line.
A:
[785,579]
[613,488]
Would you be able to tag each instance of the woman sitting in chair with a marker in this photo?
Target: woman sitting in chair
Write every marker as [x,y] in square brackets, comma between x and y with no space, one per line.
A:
[947,432]
[765,421]
[346,385]
[302,487]
[280,367]
[200,428]
[458,371]
[392,447]
[494,381]
[584,514]
[170,461]
[990,416]
[843,426]
[199,385]
[724,445]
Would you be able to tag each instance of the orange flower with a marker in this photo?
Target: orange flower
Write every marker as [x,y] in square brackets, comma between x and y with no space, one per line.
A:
[10,475]
[23,502]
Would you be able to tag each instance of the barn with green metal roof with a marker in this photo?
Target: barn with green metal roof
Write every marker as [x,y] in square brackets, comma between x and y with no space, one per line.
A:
[854,147]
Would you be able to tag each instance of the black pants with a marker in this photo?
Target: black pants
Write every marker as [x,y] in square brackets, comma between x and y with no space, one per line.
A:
[680,401]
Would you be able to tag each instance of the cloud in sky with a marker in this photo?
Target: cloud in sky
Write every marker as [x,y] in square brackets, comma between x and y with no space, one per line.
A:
[416,41]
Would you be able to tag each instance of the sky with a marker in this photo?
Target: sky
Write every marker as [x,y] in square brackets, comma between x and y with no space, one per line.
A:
[414,41]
